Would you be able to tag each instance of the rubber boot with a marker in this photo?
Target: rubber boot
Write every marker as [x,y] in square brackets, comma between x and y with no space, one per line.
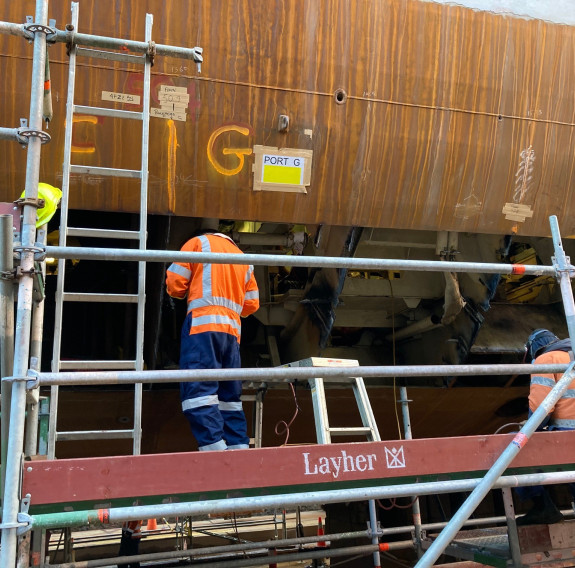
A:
[543,512]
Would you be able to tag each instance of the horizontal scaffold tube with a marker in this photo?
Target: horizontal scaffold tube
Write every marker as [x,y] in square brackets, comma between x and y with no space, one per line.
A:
[104,42]
[219,506]
[199,553]
[285,374]
[361,550]
[85,253]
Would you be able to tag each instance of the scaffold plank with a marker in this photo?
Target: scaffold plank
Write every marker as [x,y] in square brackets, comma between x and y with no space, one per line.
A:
[206,475]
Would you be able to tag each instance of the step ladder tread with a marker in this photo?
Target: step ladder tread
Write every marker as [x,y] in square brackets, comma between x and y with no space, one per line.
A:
[111,365]
[350,430]
[111,172]
[103,233]
[100,297]
[94,435]
[110,55]
[110,112]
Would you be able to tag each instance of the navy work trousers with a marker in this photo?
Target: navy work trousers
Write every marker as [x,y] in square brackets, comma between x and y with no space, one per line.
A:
[213,409]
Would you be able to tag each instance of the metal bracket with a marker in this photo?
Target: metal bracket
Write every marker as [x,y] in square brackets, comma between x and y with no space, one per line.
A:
[24,133]
[378,531]
[151,53]
[33,381]
[39,252]
[8,274]
[22,525]
[32,27]
[198,57]
[33,201]
[570,269]
[35,249]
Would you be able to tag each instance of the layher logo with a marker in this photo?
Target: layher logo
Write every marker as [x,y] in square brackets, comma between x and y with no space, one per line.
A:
[395,457]
[341,463]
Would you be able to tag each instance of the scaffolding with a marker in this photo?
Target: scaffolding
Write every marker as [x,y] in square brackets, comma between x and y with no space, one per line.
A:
[27,484]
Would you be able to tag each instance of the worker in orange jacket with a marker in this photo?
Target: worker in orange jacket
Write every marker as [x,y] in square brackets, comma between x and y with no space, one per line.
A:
[544,348]
[130,542]
[217,295]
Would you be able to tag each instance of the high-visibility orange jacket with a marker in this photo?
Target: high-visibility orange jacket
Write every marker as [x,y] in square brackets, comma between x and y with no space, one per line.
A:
[133,528]
[217,294]
[563,413]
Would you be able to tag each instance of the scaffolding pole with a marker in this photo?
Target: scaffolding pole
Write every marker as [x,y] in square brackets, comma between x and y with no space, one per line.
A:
[281,374]
[89,40]
[6,333]
[33,398]
[227,505]
[11,502]
[95,253]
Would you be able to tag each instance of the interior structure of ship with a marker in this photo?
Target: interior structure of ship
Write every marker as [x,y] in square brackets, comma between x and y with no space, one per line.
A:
[418,131]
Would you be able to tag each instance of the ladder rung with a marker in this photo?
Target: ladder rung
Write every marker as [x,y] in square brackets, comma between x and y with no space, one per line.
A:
[110,55]
[94,435]
[350,431]
[112,112]
[103,233]
[113,172]
[99,365]
[107,298]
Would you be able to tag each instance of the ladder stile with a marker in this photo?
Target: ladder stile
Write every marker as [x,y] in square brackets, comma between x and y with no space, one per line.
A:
[64,206]
[62,293]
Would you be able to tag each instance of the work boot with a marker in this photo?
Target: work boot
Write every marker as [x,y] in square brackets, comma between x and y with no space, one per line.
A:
[543,512]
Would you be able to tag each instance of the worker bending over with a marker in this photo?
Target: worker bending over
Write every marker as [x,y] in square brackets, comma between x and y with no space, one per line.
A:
[545,348]
[217,295]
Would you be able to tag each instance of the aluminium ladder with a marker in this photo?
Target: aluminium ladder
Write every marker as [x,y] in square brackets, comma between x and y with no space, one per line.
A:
[63,295]
[324,431]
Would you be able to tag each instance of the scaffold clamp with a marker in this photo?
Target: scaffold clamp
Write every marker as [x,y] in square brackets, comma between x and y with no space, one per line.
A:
[33,380]
[377,532]
[23,134]
[22,525]
[564,266]
[23,520]
[32,27]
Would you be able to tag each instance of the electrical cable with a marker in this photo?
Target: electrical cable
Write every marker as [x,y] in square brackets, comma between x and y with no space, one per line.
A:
[286,425]
[518,424]
[394,504]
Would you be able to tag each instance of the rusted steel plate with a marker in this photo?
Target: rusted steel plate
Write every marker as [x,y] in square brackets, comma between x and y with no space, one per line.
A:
[105,479]
[449,115]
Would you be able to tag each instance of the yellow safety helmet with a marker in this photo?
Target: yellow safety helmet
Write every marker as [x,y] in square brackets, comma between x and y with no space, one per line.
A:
[51,196]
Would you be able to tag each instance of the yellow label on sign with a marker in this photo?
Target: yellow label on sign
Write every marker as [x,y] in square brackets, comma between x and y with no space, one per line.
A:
[282,174]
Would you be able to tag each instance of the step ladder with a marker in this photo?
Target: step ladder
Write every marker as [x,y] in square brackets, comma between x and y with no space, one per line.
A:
[63,294]
[325,432]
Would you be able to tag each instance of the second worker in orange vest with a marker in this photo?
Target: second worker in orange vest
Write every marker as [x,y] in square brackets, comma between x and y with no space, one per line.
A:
[217,295]
[544,348]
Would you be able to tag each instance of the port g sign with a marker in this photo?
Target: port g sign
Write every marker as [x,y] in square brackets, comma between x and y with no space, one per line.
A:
[288,169]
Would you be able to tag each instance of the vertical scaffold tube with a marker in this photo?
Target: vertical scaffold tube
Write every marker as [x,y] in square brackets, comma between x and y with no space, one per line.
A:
[11,502]
[6,332]
[408,436]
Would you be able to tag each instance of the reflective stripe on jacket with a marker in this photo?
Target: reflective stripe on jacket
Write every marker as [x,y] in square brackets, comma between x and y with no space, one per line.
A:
[541,385]
[133,527]
[217,294]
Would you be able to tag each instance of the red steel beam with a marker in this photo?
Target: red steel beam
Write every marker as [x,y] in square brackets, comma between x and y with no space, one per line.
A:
[109,478]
